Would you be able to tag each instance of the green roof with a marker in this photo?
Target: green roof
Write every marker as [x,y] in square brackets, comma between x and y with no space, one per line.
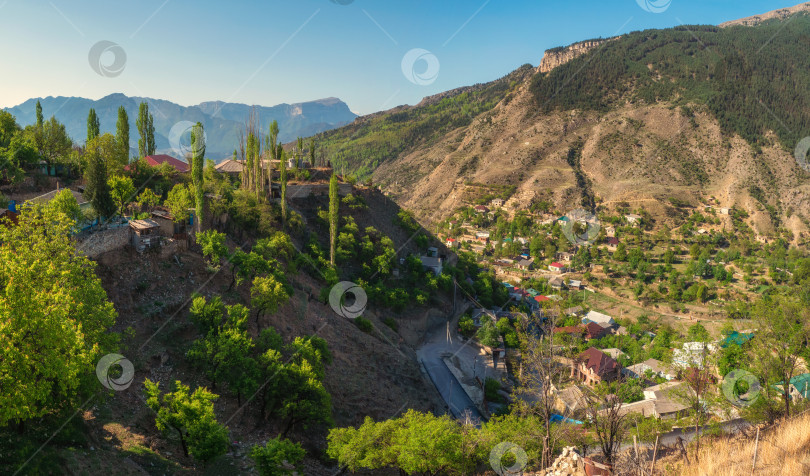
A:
[736,338]
[801,382]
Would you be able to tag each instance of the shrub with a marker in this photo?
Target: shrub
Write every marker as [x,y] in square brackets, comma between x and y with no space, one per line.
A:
[364,324]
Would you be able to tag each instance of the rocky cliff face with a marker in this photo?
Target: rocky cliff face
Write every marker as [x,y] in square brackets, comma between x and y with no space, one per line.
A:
[555,57]
[780,14]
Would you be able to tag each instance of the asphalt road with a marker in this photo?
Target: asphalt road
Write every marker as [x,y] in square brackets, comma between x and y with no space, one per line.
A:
[454,396]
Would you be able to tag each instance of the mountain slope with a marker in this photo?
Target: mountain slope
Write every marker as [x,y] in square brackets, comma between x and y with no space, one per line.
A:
[222,120]
[687,113]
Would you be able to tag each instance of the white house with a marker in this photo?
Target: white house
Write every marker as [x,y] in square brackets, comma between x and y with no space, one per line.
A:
[602,319]
[692,354]
[632,218]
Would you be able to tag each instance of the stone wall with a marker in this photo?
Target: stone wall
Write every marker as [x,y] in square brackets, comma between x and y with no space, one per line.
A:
[97,243]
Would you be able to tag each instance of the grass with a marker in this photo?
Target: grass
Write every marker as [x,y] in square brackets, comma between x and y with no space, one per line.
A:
[782,450]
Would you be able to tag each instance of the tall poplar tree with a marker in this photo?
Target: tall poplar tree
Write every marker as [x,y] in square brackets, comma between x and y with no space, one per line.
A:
[197,158]
[312,152]
[93,125]
[334,203]
[282,165]
[40,118]
[122,134]
[146,129]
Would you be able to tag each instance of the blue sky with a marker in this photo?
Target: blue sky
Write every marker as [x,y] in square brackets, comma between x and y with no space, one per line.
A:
[272,51]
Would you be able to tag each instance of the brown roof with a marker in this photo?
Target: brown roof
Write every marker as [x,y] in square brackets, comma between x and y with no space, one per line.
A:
[229,166]
[594,330]
[143,224]
[568,330]
[600,362]
[155,160]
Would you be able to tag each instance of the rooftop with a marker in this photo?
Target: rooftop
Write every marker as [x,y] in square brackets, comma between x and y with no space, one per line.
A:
[145,224]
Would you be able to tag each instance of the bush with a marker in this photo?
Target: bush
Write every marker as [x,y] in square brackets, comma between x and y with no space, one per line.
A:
[390,322]
[491,388]
[270,459]
[364,324]
[466,326]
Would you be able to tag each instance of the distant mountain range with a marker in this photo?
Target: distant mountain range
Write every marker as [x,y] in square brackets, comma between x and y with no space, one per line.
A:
[222,120]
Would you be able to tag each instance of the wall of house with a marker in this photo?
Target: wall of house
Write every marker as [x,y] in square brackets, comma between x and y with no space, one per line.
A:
[95,244]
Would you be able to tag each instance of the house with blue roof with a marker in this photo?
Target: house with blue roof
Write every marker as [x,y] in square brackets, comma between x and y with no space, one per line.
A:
[736,338]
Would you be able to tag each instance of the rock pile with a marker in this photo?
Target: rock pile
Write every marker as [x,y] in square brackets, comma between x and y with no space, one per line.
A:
[569,463]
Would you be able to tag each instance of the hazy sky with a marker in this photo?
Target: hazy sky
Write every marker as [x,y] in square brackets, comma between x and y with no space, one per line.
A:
[272,51]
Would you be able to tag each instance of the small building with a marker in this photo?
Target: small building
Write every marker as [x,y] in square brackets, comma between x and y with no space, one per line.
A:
[633,218]
[451,243]
[564,256]
[661,408]
[573,331]
[692,354]
[497,203]
[602,319]
[482,236]
[230,167]
[556,267]
[610,231]
[575,284]
[650,366]
[44,199]
[168,227]
[574,311]
[570,401]
[432,263]
[300,163]
[593,367]
[525,264]
[799,387]
[481,209]
[145,234]
[612,243]
[556,282]
[725,211]
[595,331]
[615,353]
[671,389]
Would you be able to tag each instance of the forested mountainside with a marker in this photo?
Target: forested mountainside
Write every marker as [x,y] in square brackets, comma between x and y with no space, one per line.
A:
[686,113]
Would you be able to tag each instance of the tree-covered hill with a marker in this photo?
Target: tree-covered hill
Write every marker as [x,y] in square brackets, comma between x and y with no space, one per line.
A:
[753,79]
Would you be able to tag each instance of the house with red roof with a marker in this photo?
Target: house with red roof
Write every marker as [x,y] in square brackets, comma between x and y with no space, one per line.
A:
[595,331]
[157,160]
[451,243]
[594,366]
[556,267]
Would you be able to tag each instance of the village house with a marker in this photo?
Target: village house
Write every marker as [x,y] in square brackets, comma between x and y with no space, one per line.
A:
[451,243]
[432,263]
[525,264]
[614,353]
[612,244]
[651,366]
[482,236]
[692,354]
[575,284]
[593,367]
[230,167]
[556,282]
[497,203]
[556,267]
[158,160]
[799,387]
[570,401]
[633,218]
[610,231]
[564,256]
[661,408]
[602,319]
[481,209]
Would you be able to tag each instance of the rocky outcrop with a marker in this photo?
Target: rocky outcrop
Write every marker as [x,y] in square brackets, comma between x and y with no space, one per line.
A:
[780,14]
[558,56]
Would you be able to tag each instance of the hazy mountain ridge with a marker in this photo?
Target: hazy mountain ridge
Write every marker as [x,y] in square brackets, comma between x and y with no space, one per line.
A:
[222,120]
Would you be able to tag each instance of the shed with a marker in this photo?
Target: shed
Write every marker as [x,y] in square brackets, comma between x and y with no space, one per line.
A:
[145,234]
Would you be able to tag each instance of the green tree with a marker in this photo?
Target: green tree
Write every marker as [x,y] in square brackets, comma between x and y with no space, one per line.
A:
[146,130]
[122,191]
[55,144]
[334,204]
[197,159]
[97,190]
[93,127]
[40,118]
[179,201]
[213,246]
[267,294]
[54,317]
[191,416]
[306,400]
[283,177]
[278,458]
[65,203]
[122,134]
[148,199]
[488,334]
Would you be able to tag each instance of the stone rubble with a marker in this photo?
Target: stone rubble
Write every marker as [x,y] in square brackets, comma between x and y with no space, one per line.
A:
[569,463]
